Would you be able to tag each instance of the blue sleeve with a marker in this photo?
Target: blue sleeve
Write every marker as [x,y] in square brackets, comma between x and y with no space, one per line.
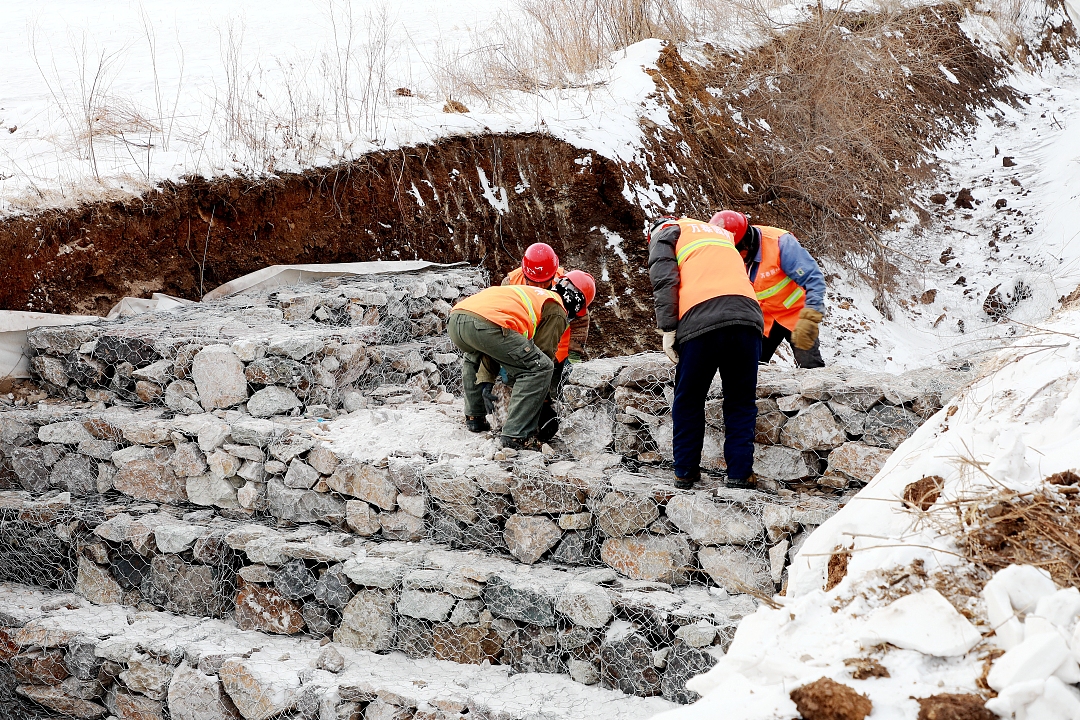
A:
[798,265]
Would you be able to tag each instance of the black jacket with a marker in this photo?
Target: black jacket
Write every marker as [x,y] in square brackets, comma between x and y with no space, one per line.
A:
[715,313]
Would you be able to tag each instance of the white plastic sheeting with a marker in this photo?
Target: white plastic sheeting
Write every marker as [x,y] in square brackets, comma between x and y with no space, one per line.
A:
[276,275]
[129,306]
[14,355]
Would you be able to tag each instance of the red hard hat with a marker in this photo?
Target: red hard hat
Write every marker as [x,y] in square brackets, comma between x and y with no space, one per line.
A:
[584,282]
[540,262]
[734,222]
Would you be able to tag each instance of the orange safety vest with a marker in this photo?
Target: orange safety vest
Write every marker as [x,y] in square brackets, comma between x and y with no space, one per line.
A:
[709,265]
[780,297]
[512,307]
[517,277]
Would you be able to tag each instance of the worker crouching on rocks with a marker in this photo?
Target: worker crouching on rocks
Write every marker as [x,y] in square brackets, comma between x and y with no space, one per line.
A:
[788,283]
[540,268]
[711,321]
[518,328]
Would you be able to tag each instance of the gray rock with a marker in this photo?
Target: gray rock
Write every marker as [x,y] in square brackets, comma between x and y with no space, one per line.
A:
[291,445]
[588,431]
[80,660]
[777,462]
[536,491]
[362,518]
[770,421]
[186,589]
[533,650]
[584,604]
[368,621]
[528,537]
[219,377]
[448,484]
[330,660]
[31,466]
[735,570]
[522,599]
[698,635]
[779,521]
[294,580]
[211,490]
[622,513]
[50,369]
[853,423]
[423,605]
[710,523]
[648,557]
[322,458]
[294,347]
[301,475]
[374,572]
[466,612]
[814,428]
[858,396]
[245,452]
[272,400]
[188,460]
[683,663]
[576,548]
[255,432]
[98,449]
[857,461]
[159,372]
[71,432]
[278,371]
[597,374]
[63,339]
[16,432]
[646,372]
[194,695]
[319,618]
[777,560]
[626,664]
[332,587]
[176,537]
[75,473]
[368,483]
[888,426]
[583,671]
[401,526]
[302,506]
[181,396]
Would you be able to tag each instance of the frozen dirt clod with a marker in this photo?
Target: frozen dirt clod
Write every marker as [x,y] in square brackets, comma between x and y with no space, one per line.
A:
[826,699]
[954,707]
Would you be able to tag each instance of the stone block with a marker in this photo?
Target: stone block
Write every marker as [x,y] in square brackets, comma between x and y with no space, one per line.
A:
[185,588]
[272,400]
[259,687]
[858,461]
[147,675]
[711,523]
[623,513]
[368,621]
[588,432]
[466,644]
[777,462]
[210,490]
[368,483]
[626,664]
[814,428]
[265,609]
[39,667]
[423,605]
[301,475]
[648,557]
[54,698]
[519,598]
[770,421]
[145,474]
[294,580]
[194,695]
[71,432]
[362,518]
[888,426]
[219,377]
[536,491]
[401,526]
[736,570]
[584,604]
[74,473]
[302,506]
[528,537]
[445,483]
[683,663]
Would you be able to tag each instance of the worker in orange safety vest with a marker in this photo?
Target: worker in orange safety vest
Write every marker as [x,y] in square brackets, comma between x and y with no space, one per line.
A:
[788,283]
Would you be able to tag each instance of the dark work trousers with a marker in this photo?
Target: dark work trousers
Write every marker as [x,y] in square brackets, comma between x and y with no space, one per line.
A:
[803,358]
[528,369]
[734,352]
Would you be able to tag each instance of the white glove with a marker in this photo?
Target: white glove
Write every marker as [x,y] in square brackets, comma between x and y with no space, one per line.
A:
[669,347]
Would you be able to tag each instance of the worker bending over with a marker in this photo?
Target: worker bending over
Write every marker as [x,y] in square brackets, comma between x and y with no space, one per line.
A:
[517,328]
[711,321]
[788,284]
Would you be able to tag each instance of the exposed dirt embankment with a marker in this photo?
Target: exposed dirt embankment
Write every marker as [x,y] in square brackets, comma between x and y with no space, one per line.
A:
[482,200]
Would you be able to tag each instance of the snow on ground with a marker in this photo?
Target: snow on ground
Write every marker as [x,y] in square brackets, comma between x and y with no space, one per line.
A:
[1012,428]
[112,97]
[950,263]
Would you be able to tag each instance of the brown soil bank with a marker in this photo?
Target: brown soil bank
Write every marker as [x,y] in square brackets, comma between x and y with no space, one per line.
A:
[423,202]
[746,131]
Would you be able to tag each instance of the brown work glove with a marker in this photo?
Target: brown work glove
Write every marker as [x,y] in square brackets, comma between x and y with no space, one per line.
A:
[805,333]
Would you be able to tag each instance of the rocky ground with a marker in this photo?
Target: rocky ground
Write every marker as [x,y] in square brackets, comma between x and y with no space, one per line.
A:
[292,464]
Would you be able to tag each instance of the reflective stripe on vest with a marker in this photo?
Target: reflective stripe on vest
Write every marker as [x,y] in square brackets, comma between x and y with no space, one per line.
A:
[709,265]
[780,303]
[514,307]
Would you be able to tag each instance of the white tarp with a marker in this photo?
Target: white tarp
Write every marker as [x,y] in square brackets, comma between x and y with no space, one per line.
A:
[13,346]
[276,275]
[129,306]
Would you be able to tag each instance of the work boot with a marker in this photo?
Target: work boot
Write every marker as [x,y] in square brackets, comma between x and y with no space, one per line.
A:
[512,443]
[489,397]
[747,483]
[477,423]
[687,482]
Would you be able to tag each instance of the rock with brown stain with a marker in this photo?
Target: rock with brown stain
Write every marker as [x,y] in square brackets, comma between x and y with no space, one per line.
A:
[826,699]
[923,493]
